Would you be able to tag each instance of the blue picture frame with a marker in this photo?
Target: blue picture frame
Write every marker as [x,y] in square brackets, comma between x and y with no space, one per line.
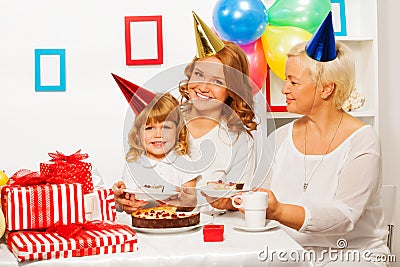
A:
[38,79]
[341,16]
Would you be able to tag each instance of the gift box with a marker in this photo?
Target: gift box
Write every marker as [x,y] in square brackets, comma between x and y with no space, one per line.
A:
[40,206]
[90,239]
[100,205]
[70,168]
[213,233]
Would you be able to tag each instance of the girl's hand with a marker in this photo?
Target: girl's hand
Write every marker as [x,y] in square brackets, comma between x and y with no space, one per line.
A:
[125,201]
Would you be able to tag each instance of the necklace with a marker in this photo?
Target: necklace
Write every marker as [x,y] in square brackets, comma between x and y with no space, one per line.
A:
[307,181]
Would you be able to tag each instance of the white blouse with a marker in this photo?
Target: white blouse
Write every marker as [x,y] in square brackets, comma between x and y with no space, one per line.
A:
[223,155]
[342,200]
[170,172]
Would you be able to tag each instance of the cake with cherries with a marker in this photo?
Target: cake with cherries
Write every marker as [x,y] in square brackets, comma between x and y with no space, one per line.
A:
[163,217]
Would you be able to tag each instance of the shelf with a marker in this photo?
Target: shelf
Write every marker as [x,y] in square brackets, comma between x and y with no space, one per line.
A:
[354,38]
[287,115]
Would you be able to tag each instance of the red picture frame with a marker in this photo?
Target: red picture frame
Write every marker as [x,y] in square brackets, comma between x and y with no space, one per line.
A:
[158,58]
[270,107]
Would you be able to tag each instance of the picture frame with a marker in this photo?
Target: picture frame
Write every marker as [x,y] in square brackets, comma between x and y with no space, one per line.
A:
[50,70]
[275,99]
[143,40]
[339,17]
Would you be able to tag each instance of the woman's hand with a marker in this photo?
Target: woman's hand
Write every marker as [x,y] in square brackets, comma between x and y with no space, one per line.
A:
[274,206]
[222,203]
[126,201]
[287,214]
[185,200]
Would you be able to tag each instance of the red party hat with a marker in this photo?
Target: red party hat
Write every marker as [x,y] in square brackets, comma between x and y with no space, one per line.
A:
[137,96]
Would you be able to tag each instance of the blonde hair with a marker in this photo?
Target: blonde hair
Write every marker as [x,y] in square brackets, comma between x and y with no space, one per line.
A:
[340,71]
[164,107]
[240,96]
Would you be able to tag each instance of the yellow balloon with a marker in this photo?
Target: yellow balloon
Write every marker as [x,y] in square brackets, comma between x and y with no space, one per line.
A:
[277,40]
[3,178]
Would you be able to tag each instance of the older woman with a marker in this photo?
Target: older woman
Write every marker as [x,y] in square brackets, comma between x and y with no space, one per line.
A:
[326,174]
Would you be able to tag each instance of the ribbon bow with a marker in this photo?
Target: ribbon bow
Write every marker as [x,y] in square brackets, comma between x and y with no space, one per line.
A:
[26,177]
[77,156]
[74,229]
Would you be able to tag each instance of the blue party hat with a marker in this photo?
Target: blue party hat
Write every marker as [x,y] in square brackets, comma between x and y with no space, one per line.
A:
[322,45]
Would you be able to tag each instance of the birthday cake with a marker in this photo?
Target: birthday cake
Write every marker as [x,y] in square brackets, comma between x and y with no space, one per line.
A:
[163,217]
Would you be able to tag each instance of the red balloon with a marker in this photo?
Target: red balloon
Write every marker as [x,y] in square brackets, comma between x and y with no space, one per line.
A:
[258,63]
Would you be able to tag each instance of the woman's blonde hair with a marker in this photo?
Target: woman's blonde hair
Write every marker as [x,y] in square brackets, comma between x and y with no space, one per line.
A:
[240,96]
[164,107]
[340,71]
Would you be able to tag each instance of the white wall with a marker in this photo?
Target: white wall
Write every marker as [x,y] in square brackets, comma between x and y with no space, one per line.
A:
[389,57]
[91,113]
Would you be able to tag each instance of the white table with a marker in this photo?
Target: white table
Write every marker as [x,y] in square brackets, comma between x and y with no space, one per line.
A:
[188,249]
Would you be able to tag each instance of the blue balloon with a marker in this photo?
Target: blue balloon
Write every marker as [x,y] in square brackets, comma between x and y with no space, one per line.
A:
[240,21]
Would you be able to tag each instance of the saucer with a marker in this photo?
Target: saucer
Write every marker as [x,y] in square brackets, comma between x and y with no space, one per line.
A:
[269,225]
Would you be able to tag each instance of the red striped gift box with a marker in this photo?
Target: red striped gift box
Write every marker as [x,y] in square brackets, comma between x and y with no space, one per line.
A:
[31,245]
[100,205]
[40,206]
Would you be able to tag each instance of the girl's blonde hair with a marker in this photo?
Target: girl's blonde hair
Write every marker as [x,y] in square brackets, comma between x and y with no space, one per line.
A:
[239,105]
[164,107]
[340,71]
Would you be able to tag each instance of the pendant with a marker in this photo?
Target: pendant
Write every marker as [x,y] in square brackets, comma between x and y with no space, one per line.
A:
[305,185]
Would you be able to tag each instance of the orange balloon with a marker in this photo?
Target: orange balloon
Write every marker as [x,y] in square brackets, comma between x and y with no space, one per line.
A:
[277,41]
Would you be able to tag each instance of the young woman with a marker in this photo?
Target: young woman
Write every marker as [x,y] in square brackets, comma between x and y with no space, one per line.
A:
[218,109]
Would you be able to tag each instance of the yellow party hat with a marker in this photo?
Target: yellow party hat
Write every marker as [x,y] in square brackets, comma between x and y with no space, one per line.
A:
[207,42]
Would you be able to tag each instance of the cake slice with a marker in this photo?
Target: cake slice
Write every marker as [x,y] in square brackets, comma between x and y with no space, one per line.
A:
[152,188]
[220,185]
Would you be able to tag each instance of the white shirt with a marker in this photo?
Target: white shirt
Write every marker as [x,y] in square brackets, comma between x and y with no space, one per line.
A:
[170,172]
[223,155]
[342,200]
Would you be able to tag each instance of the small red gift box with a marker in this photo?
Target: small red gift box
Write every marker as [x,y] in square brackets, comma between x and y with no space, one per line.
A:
[86,239]
[27,206]
[213,233]
[70,168]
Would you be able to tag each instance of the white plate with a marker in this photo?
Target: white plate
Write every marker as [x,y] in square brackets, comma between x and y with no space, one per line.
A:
[221,193]
[149,196]
[269,225]
[204,219]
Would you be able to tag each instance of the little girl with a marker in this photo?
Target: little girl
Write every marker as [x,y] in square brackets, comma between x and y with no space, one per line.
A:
[157,155]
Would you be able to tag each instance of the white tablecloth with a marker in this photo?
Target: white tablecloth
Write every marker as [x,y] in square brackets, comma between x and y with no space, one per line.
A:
[188,249]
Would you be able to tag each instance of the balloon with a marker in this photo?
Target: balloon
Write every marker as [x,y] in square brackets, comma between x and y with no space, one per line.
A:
[276,43]
[258,63]
[307,15]
[240,21]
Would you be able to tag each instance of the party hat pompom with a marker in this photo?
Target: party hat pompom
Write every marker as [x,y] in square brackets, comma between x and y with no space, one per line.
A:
[137,97]
[322,45]
[207,42]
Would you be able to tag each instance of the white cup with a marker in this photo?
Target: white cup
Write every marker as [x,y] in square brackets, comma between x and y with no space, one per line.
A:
[255,206]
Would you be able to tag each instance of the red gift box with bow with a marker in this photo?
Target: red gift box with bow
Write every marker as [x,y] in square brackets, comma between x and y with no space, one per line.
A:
[73,240]
[70,168]
[32,201]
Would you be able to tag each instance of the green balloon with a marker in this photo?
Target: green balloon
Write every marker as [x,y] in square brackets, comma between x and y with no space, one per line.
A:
[307,15]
